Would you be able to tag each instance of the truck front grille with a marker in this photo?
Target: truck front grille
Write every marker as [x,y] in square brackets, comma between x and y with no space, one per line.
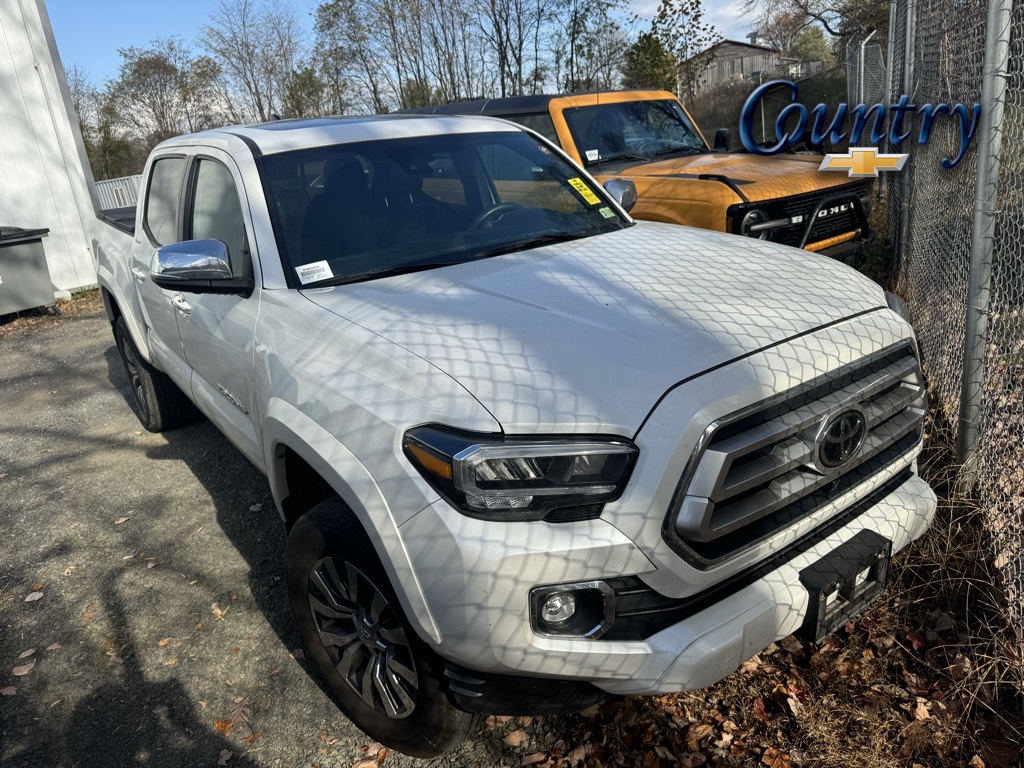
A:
[769,466]
[838,218]
[832,222]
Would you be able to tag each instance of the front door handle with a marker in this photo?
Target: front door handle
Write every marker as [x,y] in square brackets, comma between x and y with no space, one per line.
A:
[181,305]
[139,274]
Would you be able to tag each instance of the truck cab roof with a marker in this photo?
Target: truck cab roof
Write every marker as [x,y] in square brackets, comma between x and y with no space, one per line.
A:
[286,135]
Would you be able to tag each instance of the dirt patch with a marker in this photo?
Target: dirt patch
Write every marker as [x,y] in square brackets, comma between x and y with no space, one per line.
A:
[82,304]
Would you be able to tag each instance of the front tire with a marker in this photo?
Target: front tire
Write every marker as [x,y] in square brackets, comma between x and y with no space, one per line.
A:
[384,678]
[156,400]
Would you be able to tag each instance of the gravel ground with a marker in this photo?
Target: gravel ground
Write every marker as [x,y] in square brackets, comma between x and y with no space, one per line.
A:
[142,581]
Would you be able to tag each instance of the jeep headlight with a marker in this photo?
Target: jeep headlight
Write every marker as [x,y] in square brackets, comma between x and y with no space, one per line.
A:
[501,478]
[752,218]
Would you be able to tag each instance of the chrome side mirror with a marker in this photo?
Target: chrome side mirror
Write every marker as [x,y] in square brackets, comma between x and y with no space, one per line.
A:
[197,266]
[623,191]
[192,260]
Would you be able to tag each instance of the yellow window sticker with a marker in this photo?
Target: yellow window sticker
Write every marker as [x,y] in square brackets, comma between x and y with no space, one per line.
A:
[607,212]
[586,192]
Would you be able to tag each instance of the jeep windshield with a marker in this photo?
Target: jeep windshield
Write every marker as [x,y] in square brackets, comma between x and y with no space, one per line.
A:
[362,211]
[632,131]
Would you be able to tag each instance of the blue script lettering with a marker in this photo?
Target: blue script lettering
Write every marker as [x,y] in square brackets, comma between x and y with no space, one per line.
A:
[794,119]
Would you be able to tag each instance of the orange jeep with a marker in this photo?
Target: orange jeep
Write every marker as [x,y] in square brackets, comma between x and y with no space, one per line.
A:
[650,138]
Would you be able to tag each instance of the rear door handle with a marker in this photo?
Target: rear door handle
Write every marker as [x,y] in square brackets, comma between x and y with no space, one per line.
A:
[139,274]
[181,305]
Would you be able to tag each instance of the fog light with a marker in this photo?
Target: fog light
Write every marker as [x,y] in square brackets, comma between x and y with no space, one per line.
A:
[558,608]
[577,609]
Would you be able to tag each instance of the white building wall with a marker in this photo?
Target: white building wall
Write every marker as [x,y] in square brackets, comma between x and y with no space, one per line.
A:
[45,179]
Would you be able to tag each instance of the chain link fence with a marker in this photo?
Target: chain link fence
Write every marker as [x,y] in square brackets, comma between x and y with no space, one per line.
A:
[958,240]
[866,76]
[720,107]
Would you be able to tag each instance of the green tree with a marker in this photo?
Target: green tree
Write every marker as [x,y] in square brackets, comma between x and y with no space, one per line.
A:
[810,45]
[307,94]
[648,65]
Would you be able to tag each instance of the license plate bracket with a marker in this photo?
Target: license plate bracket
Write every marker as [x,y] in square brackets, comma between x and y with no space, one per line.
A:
[844,582]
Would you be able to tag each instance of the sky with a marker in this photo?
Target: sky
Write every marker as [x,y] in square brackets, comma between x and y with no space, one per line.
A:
[90,38]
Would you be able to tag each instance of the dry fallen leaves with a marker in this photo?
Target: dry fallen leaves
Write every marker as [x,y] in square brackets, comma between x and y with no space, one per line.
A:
[253,738]
[121,520]
[33,596]
[775,758]
[26,654]
[165,641]
[225,755]
[24,669]
[218,612]
[7,690]
[53,647]
[516,738]
[493,721]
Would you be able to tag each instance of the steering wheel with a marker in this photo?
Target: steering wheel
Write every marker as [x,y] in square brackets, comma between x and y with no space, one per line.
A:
[494,210]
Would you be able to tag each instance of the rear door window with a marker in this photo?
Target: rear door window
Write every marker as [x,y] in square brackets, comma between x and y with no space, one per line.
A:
[162,200]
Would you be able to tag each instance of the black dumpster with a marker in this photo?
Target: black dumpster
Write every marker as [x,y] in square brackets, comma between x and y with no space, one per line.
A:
[24,276]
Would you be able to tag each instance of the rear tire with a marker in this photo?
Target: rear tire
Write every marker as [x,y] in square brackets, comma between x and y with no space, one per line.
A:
[384,678]
[156,400]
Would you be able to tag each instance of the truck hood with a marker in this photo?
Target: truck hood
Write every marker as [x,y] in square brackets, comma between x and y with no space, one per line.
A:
[586,336]
[759,178]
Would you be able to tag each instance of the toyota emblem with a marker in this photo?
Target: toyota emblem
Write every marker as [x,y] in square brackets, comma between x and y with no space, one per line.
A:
[840,438]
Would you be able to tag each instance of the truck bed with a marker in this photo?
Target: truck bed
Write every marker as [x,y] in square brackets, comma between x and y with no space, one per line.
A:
[121,218]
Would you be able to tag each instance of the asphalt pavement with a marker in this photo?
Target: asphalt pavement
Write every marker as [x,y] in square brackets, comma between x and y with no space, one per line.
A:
[144,618]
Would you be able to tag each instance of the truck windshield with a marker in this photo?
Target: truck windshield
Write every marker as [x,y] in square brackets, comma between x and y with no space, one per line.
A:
[360,211]
[632,131]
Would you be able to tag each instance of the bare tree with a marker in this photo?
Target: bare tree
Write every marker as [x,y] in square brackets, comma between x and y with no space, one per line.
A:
[258,46]
[839,18]
[163,91]
[680,26]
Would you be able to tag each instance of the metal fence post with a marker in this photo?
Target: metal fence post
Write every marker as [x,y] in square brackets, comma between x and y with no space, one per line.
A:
[990,137]
[905,177]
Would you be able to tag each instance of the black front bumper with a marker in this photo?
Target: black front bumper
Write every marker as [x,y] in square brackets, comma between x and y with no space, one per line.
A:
[852,252]
[484,693]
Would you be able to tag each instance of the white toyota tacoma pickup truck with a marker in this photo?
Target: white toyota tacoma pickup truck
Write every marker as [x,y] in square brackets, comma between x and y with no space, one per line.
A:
[529,453]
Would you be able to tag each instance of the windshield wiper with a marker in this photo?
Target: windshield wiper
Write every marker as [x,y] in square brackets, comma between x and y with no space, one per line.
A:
[372,274]
[531,242]
[419,266]
[622,156]
[687,150]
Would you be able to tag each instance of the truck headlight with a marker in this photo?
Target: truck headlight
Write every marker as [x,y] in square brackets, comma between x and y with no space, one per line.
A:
[752,218]
[501,478]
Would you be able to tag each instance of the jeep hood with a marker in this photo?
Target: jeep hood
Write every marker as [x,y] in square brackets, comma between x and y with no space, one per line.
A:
[759,178]
[586,336]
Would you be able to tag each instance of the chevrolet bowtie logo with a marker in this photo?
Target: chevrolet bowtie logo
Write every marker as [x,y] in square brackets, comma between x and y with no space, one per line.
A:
[862,161]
